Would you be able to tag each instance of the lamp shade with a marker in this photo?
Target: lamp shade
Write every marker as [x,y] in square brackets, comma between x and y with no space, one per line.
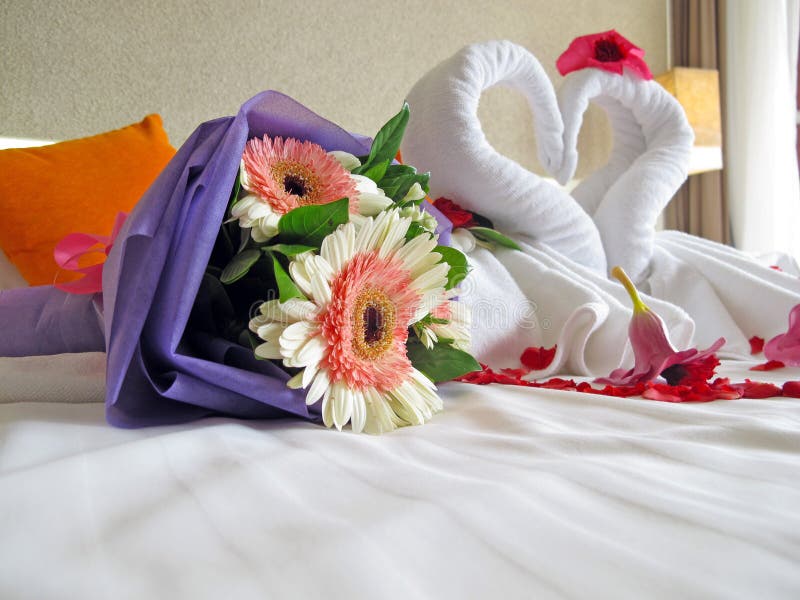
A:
[697,90]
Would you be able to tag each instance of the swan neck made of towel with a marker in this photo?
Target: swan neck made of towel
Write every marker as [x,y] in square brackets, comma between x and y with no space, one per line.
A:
[649,162]
[444,136]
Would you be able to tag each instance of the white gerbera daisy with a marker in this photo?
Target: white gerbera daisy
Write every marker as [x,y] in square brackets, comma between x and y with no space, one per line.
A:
[365,288]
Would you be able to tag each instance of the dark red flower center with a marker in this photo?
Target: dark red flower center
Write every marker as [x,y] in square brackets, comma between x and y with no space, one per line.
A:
[696,371]
[294,184]
[607,51]
[373,324]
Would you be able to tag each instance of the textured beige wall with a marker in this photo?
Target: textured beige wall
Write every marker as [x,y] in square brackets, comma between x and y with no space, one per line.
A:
[71,68]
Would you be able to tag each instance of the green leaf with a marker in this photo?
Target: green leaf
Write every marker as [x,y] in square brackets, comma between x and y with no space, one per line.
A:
[244,238]
[239,266]
[442,362]
[376,171]
[414,230]
[286,287]
[386,144]
[397,187]
[458,265]
[289,250]
[494,237]
[237,186]
[397,170]
[308,225]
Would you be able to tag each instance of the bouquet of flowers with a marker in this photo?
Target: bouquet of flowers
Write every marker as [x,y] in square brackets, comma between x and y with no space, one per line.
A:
[278,266]
[342,277]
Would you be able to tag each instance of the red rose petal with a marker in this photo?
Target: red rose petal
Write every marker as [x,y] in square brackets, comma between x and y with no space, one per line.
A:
[539,358]
[757,389]
[791,389]
[770,365]
[756,345]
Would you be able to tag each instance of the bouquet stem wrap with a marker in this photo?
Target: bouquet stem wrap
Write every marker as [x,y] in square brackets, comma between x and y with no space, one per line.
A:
[159,370]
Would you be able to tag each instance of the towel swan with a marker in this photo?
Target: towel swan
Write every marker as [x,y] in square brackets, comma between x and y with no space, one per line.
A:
[556,291]
[723,290]
[468,170]
[648,163]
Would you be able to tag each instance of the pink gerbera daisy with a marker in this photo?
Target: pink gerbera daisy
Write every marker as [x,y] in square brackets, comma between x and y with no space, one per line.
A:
[365,288]
[287,173]
[284,174]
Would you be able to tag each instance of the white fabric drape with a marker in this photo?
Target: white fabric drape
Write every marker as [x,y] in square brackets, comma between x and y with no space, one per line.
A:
[760,64]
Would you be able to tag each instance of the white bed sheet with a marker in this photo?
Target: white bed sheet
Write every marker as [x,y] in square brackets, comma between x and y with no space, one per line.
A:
[509,493]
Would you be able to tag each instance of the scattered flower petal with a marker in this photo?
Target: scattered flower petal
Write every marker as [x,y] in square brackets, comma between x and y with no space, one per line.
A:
[756,344]
[757,389]
[791,389]
[539,358]
[770,365]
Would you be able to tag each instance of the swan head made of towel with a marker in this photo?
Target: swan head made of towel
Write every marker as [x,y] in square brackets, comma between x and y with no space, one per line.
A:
[445,137]
[649,160]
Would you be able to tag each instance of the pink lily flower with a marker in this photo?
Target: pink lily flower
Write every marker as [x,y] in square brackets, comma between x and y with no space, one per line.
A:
[608,51]
[654,355]
[785,347]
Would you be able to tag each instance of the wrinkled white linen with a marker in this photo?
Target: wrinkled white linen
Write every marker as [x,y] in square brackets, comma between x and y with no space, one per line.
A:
[538,297]
[510,492]
[725,291]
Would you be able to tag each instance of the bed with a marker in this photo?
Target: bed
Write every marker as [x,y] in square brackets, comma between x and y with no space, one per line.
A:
[510,492]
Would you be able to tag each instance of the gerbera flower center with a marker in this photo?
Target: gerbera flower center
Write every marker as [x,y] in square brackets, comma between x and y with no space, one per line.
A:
[373,317]
[607,51]
[294,185]
[297,179]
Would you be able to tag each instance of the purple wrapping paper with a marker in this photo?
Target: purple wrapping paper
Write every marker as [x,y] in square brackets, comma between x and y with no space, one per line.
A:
[157,372]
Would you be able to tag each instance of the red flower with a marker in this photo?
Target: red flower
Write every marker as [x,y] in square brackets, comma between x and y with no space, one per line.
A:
[653,353]
[756,344]
[539,358]
[696,371]
[786,346]
[608,51]
[76,246]
[454,213]
[770,365]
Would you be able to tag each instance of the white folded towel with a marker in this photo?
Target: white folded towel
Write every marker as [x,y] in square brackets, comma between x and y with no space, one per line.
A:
[648,163]
[538,297]
[444,136]
[725,291]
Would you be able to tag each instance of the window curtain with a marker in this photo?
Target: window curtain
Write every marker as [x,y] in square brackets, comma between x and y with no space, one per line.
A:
[759,46]
[699,206]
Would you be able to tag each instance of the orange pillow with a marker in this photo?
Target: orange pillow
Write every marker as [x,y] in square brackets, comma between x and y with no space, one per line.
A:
[74,186]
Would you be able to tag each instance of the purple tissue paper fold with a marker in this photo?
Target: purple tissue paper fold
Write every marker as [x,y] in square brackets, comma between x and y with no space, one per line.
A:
[158,372]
